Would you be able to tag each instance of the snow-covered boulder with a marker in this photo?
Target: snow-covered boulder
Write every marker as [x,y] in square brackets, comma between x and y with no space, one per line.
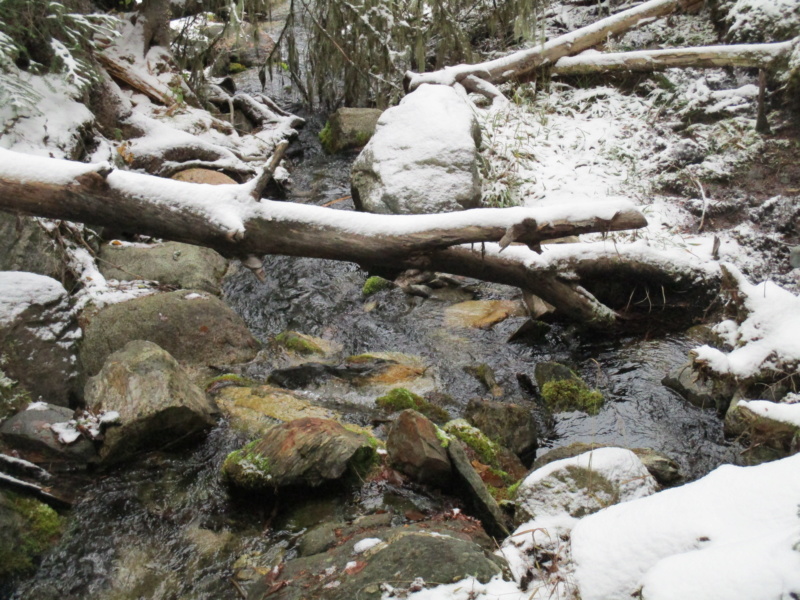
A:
[753,21]
[423,157]
[37,335]
[733,534]
[584,484]
[156,401]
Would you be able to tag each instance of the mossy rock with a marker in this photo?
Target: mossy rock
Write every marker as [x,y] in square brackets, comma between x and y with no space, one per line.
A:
[234,68]
[299,343]
[375,284]
[568,394]
[399,399]
[482,314]
[502,467]
[348,128]
[305,452]
[28,528]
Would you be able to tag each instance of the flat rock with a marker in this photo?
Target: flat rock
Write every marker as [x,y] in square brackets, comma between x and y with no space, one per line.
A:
[257,409]
[482,314]
[203,176]
[416,449]
[38,332]
[193,326]
[28,432]
[423,157]
[158,405]
[700,391]
[171,263]
[306,452]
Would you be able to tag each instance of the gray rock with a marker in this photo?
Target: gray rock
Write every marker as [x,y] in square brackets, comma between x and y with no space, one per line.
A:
[423,157]
[794,257]
[415,449]
[403,555]
[26,246]
[37,335]
[476,492]
[194,327]
[700,391]
[28,432]
[302,453]
[158,405]
[510,425]
[182,265]
[349,128]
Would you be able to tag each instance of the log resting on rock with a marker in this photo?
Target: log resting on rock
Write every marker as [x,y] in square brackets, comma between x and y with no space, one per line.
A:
[227,219]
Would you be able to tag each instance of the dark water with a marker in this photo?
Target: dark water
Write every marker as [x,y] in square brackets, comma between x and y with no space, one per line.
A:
[168,529]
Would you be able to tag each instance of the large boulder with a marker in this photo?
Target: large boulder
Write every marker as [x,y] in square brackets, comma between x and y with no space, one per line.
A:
[306,452]
[417,448]
[37,336]
[28,433]
[157,403]
[171,263]
[349,128]
[194,327]
[26,246]
[510,425]
[423,157]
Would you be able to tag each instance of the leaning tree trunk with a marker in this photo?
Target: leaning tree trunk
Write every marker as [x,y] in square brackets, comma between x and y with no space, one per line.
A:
[526,61]
[228,219]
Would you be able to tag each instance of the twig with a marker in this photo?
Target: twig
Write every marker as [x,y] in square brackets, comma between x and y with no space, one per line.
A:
[266,174]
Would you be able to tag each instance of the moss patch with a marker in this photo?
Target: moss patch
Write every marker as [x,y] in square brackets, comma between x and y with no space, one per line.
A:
[40,528]
[401,399]
[235,68]
[13,397]
[247,468]
[375,284]
[297,342]
[326,138]
[571,394]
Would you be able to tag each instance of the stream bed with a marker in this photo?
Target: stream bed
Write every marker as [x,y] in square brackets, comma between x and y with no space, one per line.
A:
[167,528]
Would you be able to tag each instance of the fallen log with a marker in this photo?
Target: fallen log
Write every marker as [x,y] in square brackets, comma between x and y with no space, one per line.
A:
[739,55]
[121,71]
[228,219]
[524,62]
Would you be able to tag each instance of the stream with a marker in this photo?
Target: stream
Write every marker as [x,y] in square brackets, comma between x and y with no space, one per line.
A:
[166,527]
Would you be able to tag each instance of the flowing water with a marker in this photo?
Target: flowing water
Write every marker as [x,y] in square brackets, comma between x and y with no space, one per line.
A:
[167,527]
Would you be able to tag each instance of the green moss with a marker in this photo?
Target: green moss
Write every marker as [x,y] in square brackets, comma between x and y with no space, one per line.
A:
[399,399]
[443,438]
[247,468]
[326,138]
[513,489]
[41,527]
[473,437]
[235,68]
[375,284]
[227,379]
[298,343]
[571,394]
[362,138]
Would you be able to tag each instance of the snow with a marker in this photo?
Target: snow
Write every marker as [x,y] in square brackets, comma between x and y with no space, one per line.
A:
[731,535]
[470,589]
[768,339]
[19,291]
[67,432]
[365,544]
[776,411]
[38,406]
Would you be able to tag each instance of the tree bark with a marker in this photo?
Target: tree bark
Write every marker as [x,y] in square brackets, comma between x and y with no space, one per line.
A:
[740,55]
[227,219]
[524,62]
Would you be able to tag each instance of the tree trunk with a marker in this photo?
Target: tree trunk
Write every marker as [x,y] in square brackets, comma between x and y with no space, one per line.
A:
[227,219]
[740,55]
[524,62]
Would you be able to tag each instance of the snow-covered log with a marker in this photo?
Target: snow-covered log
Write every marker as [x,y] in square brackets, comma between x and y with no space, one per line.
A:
[525,61]
[228,219]
[740,55]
